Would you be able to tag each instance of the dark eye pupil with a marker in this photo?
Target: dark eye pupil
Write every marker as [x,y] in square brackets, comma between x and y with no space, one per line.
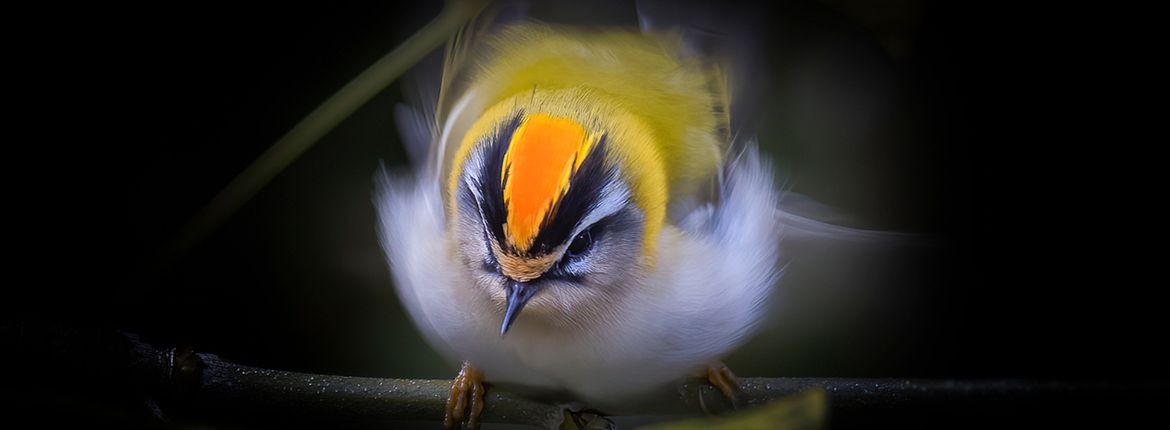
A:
[581,243]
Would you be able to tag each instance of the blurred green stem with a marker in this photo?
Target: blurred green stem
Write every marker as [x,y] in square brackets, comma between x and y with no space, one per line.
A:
[321,120]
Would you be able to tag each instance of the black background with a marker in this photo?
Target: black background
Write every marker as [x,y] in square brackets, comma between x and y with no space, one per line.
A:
[1034,163]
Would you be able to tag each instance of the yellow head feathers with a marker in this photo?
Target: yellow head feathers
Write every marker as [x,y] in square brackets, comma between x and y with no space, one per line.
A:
[659,110]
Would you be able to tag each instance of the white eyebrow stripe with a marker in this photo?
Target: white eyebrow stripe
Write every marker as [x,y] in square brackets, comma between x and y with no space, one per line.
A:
[475,164]
[614,196]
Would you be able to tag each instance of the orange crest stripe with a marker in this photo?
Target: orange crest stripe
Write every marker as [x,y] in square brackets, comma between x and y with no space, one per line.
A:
[543,153]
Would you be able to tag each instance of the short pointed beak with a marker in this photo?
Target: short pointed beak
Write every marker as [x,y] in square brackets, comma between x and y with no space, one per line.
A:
[518,295]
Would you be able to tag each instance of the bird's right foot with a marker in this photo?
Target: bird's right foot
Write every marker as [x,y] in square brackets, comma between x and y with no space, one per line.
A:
[465,401]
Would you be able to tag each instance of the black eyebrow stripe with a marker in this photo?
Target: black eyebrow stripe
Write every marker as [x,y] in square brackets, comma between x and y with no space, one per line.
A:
[489,181]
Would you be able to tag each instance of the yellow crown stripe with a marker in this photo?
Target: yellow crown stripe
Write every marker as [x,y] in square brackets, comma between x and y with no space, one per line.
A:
[541,157]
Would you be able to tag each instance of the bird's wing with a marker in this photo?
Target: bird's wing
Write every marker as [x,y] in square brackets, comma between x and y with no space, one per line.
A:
[719,272]
[764,231]
[415,117]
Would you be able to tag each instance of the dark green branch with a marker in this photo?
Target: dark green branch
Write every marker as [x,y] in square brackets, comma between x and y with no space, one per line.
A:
[182,383]
[217,386]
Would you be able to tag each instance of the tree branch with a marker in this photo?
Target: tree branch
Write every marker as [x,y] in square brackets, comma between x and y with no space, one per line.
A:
[202,386]
[217,386]
[222,387]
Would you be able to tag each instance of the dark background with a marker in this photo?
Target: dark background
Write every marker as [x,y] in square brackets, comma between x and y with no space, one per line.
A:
[1016,139]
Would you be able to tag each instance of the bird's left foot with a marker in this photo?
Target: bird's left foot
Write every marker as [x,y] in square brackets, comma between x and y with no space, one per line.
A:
[466,398]
[721,377]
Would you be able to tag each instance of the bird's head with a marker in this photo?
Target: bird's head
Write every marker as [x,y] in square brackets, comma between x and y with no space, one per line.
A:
[545,219]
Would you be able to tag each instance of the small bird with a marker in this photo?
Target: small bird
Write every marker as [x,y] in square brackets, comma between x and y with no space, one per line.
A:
[582,218]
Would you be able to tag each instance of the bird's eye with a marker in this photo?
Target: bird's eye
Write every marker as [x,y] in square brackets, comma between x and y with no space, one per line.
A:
[581,243]
[489,264]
